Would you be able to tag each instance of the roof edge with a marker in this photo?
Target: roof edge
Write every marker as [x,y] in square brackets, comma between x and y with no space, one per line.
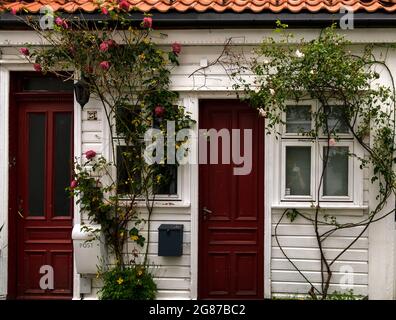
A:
[230,20]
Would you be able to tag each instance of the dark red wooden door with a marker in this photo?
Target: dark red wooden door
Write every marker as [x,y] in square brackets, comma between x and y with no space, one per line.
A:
[44,212]
[231,236]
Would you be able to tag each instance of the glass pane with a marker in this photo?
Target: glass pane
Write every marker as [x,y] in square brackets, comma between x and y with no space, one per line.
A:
[167,183]
[125,117]
[36,163]
[298,171]
[336,121]
[128,176]
[298,119]
[62,163]
[335,180]
[46,84]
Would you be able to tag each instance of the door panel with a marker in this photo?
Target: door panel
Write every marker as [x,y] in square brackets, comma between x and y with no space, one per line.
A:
[44,211]
[231,237]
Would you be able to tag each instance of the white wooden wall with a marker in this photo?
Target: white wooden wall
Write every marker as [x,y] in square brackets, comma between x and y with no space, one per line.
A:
[177,277]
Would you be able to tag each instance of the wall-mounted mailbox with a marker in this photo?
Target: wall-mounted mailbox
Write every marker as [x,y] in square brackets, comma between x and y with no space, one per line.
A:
[87,249]
[170,240]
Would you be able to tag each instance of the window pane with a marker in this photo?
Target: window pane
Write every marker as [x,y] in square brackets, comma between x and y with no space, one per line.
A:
[128,176]
[62,163]
[335,180]
[167,183]
[336,121]
[125,118]
[46,84]
[298,119]
[298,171]
[36,163]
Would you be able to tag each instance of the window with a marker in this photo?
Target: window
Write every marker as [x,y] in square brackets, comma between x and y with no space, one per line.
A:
[304,158]
[165,180]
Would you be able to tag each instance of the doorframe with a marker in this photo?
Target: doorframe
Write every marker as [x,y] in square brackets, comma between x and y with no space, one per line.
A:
[7,254]
[191,103]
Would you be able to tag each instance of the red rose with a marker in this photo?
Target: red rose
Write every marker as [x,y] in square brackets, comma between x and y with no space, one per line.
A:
[147,22]
[105,65]
[90,154]
[124,5]
[104,46]
[24,51]
[73,184]
[105,11]
[37,67]
[159,111]
[14,11]
[176,48]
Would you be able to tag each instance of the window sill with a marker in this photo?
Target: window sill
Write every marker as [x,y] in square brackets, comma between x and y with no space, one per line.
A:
[166,204]
[335,208]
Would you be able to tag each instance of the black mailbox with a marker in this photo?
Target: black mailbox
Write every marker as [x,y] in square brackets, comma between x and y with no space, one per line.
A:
[170,240]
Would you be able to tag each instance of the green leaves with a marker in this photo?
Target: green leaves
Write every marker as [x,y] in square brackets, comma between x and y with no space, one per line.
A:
[135,236]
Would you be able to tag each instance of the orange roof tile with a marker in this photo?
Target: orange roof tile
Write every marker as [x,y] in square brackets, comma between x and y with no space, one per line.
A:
[237,6]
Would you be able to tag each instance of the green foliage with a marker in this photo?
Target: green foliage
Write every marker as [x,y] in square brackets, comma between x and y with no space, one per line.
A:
[327,71]
[132,283]
[130,75]
[347,295]
[292,214]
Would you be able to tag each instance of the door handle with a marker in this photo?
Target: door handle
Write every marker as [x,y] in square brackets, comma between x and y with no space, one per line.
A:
[206,212]
[20,208]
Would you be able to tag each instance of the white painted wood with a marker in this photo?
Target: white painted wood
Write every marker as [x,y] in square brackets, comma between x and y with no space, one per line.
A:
[314,265]
[270,179]
[313,253]
[315,276]
[207,37]
[290,229]
[178,276]
[310,242]
[4,111]
[293,288]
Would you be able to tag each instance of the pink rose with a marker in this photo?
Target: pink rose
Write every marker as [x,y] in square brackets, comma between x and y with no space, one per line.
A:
[159,111]
[65,24]
[90,154]
[105,65]
[37,67]
[147,22]
[176,48]
[124,5]
[104,46]
[24,51]
[111,43]
[73,184]
[332,142]
[59,21]
[14,11]
[105,11]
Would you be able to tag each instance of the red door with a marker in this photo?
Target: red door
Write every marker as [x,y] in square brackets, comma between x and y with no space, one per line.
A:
[231,209]
[42,213]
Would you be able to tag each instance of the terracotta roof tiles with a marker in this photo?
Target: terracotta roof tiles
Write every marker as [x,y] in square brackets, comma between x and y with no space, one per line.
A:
[237,6]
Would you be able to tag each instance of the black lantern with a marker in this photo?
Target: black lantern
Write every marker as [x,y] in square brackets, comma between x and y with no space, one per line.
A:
[81,90]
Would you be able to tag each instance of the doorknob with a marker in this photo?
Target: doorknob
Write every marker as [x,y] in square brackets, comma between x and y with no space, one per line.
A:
[206,212]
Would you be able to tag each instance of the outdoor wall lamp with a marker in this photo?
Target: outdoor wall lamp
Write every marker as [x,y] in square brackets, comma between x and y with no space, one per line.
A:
[81,90]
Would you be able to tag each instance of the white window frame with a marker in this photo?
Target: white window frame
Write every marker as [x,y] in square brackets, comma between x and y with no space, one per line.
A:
[355,174]
[181,169]
[341,143]
[297,143]
[305,103]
